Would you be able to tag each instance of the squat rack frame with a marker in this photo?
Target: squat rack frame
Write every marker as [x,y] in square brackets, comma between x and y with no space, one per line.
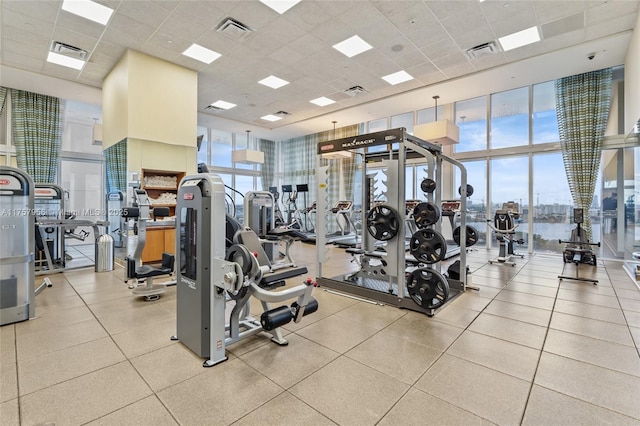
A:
[409,147]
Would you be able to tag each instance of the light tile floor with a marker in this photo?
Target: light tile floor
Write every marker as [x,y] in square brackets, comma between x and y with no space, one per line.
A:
[525,349]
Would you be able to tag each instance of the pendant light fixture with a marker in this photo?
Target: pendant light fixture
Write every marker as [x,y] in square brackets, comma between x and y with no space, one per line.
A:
[442,131]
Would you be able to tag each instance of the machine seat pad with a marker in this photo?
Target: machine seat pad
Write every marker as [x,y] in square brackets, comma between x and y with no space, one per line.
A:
[294,233]
[356,251]
[281,274]
[146,271]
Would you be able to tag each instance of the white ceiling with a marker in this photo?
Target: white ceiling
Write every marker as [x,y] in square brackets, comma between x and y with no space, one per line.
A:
[428,39]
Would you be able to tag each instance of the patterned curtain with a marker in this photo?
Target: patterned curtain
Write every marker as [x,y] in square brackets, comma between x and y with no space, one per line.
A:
[116,160]
[3,97]
[582,107]
[37,133]
[268,168]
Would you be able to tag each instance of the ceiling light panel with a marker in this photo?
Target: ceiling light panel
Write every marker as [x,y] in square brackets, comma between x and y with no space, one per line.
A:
[89,10]
[322,101]
[352,46]
[201,54]
[519,39]
[65,61]
[223,104]
[271,117]
[273,82]
[280,6]
[397,77]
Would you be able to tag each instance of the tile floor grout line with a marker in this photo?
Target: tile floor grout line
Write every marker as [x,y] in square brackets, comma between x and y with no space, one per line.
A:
[544,341]
[624,316]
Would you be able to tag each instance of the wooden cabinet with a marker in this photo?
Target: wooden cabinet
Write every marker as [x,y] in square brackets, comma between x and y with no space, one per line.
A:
[160,239]
[162,187]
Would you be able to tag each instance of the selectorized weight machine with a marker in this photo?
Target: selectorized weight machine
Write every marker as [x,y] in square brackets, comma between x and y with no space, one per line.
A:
[504,224]
[212,278]
[386,273]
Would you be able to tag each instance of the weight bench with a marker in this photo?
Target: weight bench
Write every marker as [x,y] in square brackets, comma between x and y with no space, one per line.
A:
[277,272]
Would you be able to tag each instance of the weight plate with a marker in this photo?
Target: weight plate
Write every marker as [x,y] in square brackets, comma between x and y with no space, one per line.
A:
[471,235]
[425,214]
[383,222]
[469,190]
[428,185]
[428,288]
[428,246]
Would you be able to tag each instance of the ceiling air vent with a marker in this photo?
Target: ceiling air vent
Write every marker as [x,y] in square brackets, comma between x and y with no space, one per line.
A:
[213,108]
[68,50]
[284,113]
[353,91]
[481,50]
[233,29]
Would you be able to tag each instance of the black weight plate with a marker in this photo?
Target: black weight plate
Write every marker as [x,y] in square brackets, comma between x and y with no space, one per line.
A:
[425,214]
[383,222]
[428,288]
[428,185]
[428,246]
[471,235]
[469,190]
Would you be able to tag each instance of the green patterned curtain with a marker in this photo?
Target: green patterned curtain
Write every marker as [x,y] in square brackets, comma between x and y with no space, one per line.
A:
[3,97]
[37,134]
[582,107]
[116,160]
[268,168]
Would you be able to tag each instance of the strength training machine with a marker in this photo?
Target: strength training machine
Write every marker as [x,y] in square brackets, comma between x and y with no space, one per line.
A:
[386,273]
[17,259]
[212,278]
[578,249]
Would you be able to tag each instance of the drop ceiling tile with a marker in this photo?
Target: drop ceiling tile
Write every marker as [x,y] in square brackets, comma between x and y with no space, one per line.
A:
[474,38]
[161,52]
[489,61]
[180,26]
[379,33]
[362,16]
[222,44]
[27,23]
[37,52]
[143,11]
[449,61]
[128,25]
[611,11]
[93,80]
[376,62]
[206,13]
[458,71]
[166,4]
[10,32]
[162,40]
[417,15]
[624,23]
[445,9]
[308,44]
[410,59]
[333,31]
[109,50]
[120,38]
[60,71]
[423,36]
[547,11]
[307,15]
[45,11]
[17,60]
[433,78]
[440,48]
[499,11]
[424,71]
[79,25]
[286,56]
[392,8]
[525,52]
[256,15]
[513,24]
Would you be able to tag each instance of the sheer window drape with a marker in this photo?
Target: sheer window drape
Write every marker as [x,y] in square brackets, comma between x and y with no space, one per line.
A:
[582,107]
[36,126]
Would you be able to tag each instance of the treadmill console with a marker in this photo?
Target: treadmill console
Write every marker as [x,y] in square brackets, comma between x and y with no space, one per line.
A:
[450,207]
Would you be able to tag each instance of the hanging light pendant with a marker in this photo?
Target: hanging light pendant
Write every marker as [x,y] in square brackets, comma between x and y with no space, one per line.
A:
[442,131]
[247,156]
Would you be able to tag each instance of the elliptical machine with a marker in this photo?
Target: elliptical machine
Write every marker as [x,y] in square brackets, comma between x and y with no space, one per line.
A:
[505,226]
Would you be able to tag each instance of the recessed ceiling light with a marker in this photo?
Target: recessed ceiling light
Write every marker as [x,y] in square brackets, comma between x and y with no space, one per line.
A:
[280,6]
[352,46]
[519,39]
[273,82]
[65,61]
[397,77]
[271,117]
[223,104]
[89,10]
[322,101]
[201,54]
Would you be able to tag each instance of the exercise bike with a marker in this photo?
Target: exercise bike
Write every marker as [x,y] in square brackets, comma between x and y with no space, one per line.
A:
[505,227]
